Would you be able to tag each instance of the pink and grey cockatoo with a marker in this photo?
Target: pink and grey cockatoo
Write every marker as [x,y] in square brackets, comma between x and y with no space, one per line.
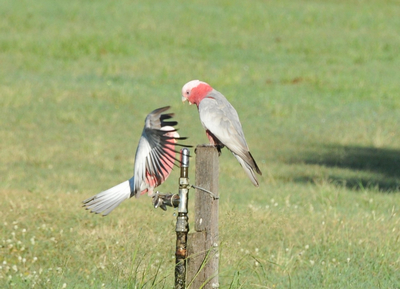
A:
[221,122]
[154,160]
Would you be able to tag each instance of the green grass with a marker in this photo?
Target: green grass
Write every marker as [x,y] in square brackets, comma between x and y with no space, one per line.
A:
[316,85]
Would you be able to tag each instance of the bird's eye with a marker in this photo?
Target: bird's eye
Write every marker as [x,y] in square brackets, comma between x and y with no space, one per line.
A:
[187,92]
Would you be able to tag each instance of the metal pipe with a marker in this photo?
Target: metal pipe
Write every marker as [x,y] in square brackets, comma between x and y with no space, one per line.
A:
[182,224]
[162,201]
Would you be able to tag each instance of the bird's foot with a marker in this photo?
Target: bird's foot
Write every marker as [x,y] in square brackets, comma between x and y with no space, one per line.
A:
[219,147]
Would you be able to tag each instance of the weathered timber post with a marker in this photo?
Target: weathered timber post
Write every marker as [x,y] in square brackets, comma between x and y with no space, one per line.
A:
[203,254]
[182,224]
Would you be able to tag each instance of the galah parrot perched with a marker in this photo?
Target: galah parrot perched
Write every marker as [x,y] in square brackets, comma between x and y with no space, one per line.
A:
[221,122]
[154,160]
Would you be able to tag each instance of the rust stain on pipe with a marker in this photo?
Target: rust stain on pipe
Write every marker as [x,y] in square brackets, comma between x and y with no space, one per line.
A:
[181,252]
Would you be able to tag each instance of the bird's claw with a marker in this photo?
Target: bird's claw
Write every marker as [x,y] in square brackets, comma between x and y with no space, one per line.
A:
[219,147]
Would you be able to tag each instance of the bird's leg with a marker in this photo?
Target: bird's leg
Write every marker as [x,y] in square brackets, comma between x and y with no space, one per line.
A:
[164,200]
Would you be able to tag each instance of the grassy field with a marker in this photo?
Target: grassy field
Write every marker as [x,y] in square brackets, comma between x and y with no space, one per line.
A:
[316,84]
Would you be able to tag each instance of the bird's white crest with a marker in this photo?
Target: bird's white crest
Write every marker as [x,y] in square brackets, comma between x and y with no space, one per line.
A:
[190,85]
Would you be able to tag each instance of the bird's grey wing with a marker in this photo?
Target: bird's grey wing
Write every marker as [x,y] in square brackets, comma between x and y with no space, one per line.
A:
[221,119]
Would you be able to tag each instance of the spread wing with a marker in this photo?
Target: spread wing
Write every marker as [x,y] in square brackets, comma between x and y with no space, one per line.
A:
[155,158]
[155,155]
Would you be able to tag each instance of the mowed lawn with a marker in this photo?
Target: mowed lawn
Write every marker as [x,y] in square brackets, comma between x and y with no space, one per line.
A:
[316,85]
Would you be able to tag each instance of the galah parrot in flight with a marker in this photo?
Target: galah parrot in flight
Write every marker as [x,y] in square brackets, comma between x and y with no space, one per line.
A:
[154,160]
[221,122]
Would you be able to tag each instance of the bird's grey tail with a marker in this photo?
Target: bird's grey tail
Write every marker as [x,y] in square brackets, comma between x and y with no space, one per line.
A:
[255,165]
[248,169]
[106,201]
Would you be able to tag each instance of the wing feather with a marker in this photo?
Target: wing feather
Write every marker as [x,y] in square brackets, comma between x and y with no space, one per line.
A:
[219,117]
[155,156]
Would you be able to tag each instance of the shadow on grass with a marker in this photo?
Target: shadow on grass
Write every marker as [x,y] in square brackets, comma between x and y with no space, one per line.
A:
[369,167]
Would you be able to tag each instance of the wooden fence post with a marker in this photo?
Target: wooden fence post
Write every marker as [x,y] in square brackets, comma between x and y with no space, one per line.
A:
[203,251]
